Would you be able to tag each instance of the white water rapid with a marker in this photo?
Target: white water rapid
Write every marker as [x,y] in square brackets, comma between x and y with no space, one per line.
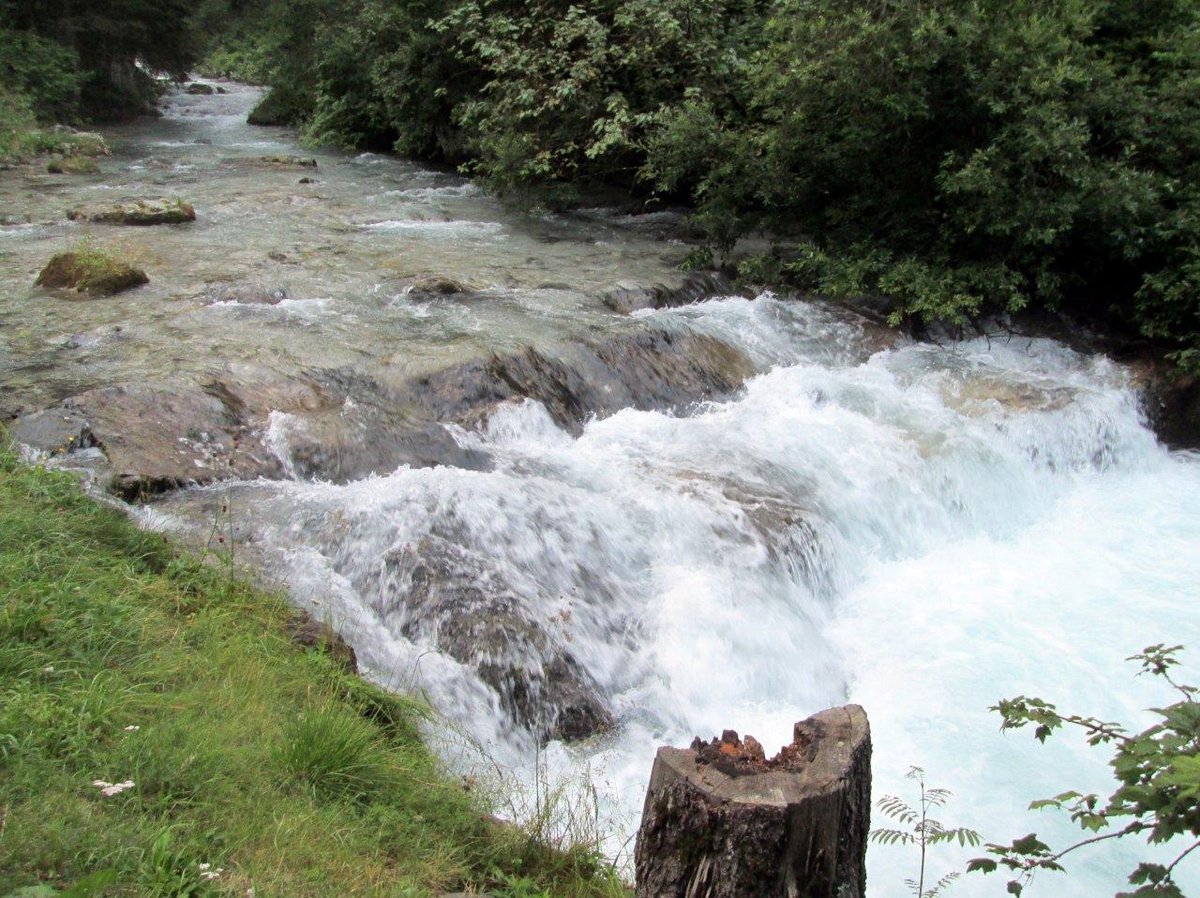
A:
[922,530]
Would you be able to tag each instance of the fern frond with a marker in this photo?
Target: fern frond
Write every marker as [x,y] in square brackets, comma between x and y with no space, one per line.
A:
[892,837]
[962,835]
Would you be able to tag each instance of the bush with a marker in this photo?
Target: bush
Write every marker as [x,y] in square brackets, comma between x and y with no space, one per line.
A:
[45,72]
[17,124]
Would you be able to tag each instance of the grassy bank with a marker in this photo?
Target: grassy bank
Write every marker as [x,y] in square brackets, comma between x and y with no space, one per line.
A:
[124,660]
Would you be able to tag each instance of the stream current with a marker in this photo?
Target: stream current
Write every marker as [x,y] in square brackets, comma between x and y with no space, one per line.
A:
[920,529]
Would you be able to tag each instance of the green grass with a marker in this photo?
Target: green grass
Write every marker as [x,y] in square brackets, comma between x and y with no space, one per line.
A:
[21,138]
[122,658]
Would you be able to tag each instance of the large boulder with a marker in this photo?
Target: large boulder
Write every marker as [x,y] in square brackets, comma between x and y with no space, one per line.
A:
[644,368]
[1171,400]
[155,439]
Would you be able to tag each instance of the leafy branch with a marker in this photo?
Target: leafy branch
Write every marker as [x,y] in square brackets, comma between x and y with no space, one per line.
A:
[1158,776]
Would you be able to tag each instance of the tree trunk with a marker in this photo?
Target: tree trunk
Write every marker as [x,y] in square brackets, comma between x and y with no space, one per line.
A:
[722,821]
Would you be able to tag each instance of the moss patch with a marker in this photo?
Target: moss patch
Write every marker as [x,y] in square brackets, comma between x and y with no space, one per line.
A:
[86,270]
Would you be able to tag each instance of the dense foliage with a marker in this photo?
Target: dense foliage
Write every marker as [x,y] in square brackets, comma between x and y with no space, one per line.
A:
[955,155]
[73,59]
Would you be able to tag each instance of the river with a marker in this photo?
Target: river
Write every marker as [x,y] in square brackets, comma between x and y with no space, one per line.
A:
[921,529]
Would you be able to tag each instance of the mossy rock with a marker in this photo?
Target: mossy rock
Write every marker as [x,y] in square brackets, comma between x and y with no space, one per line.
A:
[142,212]
[90,272]
[63,140]
[86,143]
[73,165]
[289,161]
[198,88]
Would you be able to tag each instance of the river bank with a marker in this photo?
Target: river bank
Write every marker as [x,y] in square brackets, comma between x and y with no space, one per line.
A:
[162,734]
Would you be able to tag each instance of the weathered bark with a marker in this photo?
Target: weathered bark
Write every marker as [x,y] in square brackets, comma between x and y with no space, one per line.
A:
[721,821]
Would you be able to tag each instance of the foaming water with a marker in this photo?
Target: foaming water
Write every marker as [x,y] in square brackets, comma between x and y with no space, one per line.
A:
[921,529]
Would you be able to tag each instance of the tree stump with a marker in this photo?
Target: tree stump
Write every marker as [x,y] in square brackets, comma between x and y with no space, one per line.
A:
[722,821]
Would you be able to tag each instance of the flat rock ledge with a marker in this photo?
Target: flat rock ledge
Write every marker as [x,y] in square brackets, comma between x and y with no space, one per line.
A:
[140,213]
[722,820]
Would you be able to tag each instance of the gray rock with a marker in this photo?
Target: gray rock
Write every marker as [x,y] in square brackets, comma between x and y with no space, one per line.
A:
[697,286]
[645,368]
[435,285]
[157,440]
[246,294]
[55,431]
[441,593]
[1171,400]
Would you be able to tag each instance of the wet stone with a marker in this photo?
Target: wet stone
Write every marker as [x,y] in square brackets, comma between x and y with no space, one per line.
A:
[435,285]
[697,286]
[440,593]
[54,431]
[309,633]
[72,165]
[157,440]
[246,294]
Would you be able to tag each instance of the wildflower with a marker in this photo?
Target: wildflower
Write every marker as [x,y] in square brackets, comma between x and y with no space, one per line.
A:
[132,728]
[108,790]
[208,874]
[48,669]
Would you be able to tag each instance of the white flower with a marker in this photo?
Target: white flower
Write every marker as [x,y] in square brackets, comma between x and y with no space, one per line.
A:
[108,790]
[208,874]
[132,728]
[49,668]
